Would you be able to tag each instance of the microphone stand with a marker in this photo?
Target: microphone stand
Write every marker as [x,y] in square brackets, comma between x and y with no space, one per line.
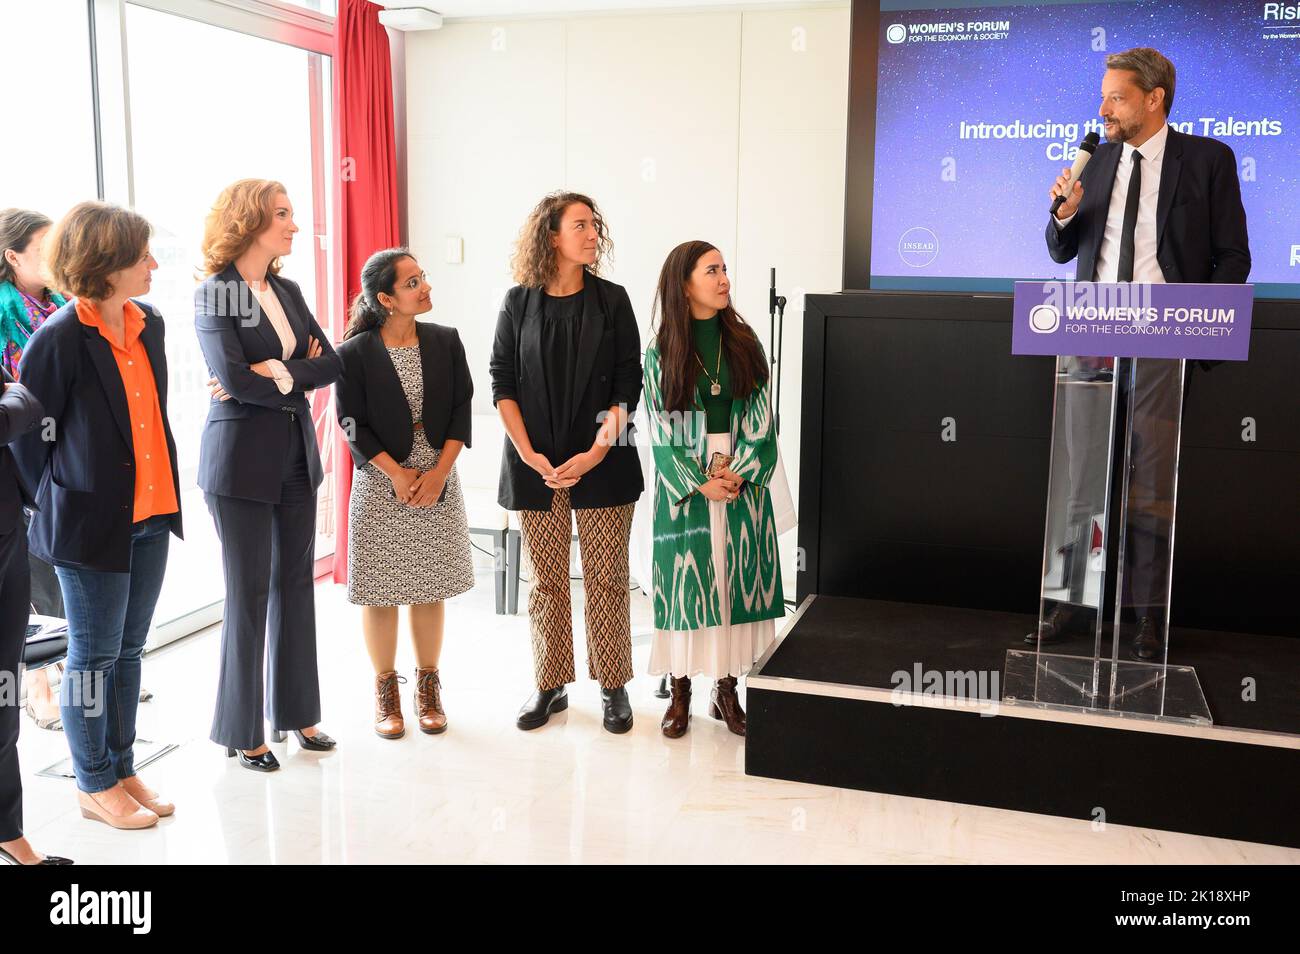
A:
[775,335]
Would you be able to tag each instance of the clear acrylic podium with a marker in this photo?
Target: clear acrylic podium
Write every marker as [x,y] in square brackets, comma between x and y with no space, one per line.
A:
[1102,640]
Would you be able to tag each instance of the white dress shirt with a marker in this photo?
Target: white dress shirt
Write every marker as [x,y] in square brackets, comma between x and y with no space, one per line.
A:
[1145,266]
[274,313]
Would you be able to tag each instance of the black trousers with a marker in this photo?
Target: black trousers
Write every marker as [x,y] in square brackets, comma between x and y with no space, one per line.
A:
[268,556]
[15,596]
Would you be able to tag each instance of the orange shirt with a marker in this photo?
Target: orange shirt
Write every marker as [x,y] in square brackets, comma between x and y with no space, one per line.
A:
[155,493]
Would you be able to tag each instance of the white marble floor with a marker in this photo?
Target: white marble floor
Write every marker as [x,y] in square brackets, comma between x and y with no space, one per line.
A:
[486,792]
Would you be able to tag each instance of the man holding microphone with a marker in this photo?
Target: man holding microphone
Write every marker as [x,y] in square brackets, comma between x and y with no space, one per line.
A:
[1153,205]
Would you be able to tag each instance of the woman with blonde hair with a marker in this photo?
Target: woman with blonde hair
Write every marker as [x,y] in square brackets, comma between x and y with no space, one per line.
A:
[260,468]
[566,377]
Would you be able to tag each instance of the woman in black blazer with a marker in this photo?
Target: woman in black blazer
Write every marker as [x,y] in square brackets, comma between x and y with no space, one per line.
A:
[103,465]
[259,468]
[404,406]
[566,377]
[20,413]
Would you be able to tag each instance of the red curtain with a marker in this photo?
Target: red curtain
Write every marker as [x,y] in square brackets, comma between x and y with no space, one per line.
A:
[367,183]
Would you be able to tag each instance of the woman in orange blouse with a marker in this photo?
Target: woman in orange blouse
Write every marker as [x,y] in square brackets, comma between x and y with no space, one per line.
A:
[103,466]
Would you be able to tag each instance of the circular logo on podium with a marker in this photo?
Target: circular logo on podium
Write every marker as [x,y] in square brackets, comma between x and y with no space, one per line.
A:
[896,33]
[918,247]
[1044,319]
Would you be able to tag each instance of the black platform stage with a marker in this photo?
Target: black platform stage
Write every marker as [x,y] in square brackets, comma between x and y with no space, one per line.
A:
[822,709]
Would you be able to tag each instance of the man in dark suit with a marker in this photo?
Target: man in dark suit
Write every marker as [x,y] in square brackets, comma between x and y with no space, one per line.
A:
[1154,205]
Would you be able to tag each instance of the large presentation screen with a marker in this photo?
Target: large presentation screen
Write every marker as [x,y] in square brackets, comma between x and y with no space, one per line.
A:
[980,106]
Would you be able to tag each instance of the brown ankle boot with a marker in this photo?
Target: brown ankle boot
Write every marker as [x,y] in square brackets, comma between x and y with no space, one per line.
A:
[725,705]
[428,702]
[678,715]
[389,723]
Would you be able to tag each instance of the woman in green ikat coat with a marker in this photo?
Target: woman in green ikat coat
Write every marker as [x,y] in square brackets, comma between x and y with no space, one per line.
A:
[717,575]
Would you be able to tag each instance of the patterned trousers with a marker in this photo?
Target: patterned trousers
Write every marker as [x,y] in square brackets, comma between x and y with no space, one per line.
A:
[603,535]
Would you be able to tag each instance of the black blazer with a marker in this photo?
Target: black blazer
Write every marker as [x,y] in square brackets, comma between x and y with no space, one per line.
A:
[1200,221]
[242,452]
[20,413]
[85,476]
[608,373]
[372,407]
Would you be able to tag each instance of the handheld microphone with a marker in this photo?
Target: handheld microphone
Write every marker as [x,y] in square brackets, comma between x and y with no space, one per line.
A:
[1086,149]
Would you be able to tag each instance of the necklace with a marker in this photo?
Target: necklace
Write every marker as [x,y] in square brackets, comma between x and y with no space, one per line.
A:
[715,388]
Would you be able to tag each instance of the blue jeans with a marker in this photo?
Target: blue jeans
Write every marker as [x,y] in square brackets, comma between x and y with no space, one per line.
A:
[108,621]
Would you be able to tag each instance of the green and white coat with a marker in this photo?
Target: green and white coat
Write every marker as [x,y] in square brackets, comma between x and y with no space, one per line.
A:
[685,588]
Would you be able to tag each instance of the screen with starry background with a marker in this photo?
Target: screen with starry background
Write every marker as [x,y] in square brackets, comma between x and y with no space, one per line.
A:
[980,107]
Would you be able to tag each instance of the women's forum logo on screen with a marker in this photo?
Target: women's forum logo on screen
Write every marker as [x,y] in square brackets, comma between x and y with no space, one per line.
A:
[918,247]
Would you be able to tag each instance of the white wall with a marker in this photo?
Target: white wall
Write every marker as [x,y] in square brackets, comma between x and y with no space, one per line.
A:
[727,126]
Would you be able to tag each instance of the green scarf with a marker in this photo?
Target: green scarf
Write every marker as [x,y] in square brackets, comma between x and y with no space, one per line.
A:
[15,323]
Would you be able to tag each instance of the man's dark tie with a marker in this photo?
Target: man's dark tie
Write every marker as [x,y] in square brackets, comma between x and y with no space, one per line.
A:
[1130,220]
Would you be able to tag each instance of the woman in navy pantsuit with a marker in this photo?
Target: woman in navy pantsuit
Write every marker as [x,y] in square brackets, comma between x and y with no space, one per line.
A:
[259,468]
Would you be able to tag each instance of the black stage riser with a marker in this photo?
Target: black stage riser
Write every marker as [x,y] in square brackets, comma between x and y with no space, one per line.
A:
[1208,787]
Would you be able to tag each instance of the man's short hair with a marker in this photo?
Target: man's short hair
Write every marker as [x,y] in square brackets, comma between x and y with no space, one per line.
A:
[1151,68]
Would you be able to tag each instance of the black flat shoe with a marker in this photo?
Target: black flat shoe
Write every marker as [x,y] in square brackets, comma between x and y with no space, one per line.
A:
[47,860]
[320,742]
[618,710]
[537,710]
[266,762]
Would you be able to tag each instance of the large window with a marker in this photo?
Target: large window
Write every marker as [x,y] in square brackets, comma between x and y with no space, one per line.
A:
[48,161]
[210,106]
[159,104]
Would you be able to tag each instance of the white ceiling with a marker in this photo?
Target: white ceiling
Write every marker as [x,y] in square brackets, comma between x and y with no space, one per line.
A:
[463,9]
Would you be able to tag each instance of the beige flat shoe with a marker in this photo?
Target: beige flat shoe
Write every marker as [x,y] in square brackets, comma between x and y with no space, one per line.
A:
[146,796]
[117,808]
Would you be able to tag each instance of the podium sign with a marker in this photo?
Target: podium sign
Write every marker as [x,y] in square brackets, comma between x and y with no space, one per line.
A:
[1102,639]
[1134,320]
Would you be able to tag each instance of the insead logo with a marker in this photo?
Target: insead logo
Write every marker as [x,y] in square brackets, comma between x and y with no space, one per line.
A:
[1044,319]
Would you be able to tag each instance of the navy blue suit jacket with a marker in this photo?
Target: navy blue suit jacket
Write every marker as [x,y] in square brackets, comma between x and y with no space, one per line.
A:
[245,439]
[1200,221]
[85,475]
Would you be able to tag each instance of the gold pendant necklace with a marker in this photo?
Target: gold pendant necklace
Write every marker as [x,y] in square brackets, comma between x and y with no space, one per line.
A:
[715,388]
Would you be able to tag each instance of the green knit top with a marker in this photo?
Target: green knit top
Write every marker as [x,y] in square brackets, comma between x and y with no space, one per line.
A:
[707,334]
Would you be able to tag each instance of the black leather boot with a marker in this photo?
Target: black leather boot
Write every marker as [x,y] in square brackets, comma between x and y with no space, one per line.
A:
[537,710]
[1146,644]
[618,710]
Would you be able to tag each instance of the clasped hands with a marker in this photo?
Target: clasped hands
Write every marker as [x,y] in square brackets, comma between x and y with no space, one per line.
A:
[418,488]
[724,488]
[568,473]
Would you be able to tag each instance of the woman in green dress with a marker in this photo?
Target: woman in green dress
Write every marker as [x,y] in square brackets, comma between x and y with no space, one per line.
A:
[717,575]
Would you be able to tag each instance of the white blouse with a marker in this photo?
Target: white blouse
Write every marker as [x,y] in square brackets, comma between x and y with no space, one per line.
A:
[274,312]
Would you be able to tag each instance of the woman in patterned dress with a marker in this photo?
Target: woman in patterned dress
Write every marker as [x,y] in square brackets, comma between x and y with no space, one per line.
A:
[404,406]
[717,574]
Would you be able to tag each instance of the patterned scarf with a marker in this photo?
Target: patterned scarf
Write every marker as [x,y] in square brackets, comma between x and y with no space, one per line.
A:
[20,316]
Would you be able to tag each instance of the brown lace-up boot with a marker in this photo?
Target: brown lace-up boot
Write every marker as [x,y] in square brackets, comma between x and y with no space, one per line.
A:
[725,705]
[428,702]
[678,716]
[389,723]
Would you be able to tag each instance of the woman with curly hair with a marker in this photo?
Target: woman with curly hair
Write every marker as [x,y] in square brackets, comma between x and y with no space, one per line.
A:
[259,468]
[566,378]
